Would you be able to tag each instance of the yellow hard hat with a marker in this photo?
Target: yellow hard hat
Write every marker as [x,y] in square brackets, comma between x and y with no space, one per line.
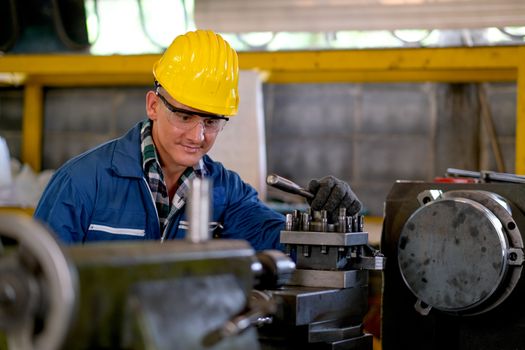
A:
[201,70]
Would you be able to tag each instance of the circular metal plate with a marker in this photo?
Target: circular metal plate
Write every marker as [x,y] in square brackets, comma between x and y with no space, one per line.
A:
[452,254]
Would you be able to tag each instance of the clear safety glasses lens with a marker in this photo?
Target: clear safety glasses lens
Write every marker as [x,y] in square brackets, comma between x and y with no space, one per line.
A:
[186,120]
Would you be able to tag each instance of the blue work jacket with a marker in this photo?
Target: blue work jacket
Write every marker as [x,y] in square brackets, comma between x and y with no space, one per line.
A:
[103,195]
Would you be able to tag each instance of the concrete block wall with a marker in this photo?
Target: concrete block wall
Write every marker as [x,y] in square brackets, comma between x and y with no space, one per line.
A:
[78,119]
[368,134]
[502,99]
[374,134]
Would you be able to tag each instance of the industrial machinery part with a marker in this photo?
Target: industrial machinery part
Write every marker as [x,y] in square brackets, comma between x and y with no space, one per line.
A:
[199,211]
[272,269]
[456,250]
[184,294]
[120,295]
[323,304]
[38,287]
[486,176]
[457,282]
[261,309]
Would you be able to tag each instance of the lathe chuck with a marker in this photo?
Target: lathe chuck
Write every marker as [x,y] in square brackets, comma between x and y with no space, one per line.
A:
[457,253]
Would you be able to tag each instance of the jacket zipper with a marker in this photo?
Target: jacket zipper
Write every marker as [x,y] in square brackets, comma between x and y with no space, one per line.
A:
[155,207]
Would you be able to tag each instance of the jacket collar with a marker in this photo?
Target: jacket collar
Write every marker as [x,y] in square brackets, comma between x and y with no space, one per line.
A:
[127,158]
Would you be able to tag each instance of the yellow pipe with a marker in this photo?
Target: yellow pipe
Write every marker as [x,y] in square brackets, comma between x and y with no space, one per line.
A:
[16,210]
[74,80]
[384,60]
[137,68]
[32,126]
[520,114]
[58,64]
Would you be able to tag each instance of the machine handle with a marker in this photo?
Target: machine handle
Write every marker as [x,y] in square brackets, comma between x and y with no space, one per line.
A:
[287,186]
[260,311]
[486,176]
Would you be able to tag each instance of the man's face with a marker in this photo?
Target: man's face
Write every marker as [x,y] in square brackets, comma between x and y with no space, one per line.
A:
[176,146]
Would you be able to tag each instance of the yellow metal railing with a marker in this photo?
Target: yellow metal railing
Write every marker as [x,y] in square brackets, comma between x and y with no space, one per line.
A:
[478,64]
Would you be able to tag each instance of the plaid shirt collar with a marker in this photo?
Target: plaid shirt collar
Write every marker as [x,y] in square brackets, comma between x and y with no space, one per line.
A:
[155,178]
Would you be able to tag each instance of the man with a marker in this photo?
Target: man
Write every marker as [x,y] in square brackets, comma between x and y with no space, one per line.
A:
[135,187]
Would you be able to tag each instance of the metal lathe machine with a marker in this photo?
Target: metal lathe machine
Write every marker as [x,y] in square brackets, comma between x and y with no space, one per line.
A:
[196,293]
[454,278]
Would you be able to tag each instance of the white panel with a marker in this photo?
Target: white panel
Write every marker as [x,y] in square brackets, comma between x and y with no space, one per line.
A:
[317,15]
[241,146]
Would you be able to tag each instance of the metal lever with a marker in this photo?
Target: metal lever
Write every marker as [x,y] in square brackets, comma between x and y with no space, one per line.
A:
[287,186]
[486,176]
[261,309]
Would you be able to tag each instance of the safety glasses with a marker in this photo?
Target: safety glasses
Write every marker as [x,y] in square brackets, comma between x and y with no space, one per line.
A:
[184,119]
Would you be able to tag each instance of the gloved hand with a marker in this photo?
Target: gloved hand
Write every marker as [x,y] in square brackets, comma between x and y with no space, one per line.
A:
[330,194]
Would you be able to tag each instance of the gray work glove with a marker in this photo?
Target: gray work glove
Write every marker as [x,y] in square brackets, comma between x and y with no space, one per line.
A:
[330,194]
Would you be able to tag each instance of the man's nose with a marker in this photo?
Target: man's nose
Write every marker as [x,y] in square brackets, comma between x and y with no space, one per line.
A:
[197,132]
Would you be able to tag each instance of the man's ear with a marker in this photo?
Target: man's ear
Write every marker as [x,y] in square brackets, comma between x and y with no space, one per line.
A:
[152,105]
